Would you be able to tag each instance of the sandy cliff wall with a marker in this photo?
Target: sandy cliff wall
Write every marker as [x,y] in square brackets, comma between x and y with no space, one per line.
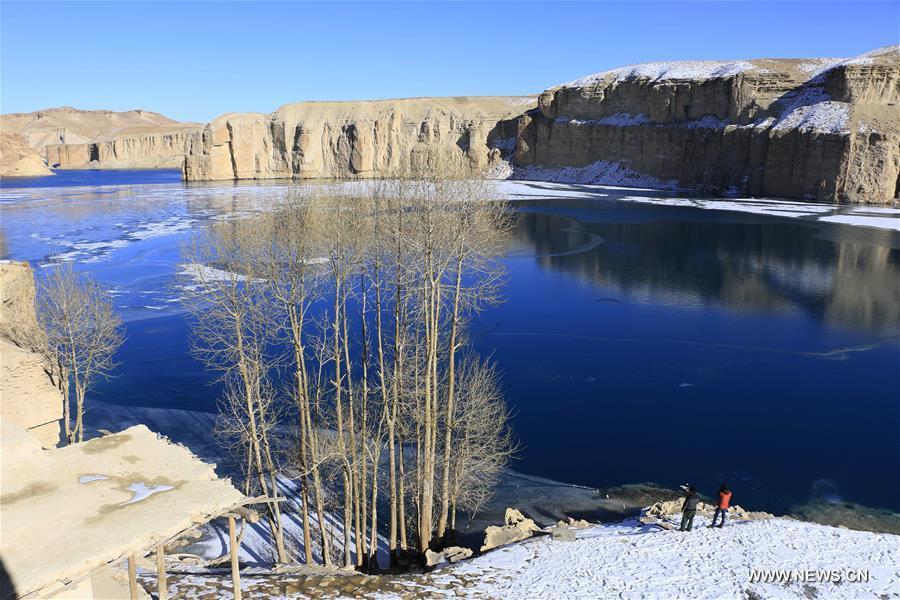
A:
[354,139]
[69,138]
[27,395]
[18,159]
[820,129]
[141,151]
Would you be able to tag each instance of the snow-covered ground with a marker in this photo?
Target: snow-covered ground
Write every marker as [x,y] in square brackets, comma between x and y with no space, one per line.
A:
[629,560]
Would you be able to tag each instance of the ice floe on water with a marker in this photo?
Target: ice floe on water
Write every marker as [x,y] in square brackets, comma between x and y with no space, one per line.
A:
[207,274]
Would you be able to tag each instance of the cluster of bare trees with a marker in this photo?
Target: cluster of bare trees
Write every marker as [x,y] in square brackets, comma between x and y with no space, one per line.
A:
[80,334]
[342,318]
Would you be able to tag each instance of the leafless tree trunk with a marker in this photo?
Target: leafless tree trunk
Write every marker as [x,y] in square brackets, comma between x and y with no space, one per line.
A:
[82,332]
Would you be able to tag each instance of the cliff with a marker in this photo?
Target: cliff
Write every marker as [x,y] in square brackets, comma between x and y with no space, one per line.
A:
[131,150]
[18,159]
[825,129]
[29,397]
[369,139]
[70,138]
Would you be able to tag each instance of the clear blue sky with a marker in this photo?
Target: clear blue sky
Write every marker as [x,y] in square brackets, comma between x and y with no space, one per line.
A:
[193,61]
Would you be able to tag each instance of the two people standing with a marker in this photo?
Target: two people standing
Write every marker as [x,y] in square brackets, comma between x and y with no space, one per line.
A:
[691,500]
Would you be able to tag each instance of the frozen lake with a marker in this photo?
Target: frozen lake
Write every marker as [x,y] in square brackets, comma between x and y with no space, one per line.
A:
[644,337]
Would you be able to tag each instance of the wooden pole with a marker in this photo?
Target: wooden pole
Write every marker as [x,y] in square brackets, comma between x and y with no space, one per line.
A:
[132,577]
[161,584]
[235,568]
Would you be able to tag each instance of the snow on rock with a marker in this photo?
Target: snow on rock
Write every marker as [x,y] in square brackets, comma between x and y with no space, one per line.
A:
[676,69]
[628,560]
[823,117]
[601,172]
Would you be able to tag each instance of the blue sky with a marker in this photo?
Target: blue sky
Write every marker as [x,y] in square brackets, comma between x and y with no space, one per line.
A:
[193,61]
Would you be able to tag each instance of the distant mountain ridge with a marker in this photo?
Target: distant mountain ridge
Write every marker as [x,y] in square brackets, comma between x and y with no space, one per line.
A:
[71,138]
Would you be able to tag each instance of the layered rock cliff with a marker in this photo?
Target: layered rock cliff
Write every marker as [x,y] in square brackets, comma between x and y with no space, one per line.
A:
[69,138]
[18,159]
[132,150]
[29,397]
[825,129]
[311,140]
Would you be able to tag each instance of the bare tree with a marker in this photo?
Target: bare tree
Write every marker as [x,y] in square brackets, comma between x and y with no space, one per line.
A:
[233,330]
[83,333]
[363,301]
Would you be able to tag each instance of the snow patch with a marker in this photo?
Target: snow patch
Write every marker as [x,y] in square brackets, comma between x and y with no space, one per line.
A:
[601,172]
[90,478]
[142,491]
[678,69]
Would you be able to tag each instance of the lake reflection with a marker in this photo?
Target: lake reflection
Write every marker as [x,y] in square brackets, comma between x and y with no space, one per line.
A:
[638,342]
[761,267]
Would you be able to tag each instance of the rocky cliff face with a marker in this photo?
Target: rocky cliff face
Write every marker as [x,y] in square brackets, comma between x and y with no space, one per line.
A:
[152,150]
[818,129]
[69,138]
[30,399]
[18,159]
[355,139]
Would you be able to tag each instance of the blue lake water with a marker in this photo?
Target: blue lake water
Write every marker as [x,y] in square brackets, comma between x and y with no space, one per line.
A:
[638,342]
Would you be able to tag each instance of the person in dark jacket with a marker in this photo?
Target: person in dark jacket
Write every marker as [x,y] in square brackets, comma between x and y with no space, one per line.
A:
[722,505]
[689,508]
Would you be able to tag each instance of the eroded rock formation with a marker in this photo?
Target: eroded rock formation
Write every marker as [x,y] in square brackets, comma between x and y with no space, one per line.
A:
[69,138]
[824,129]
[516,527]
[149,150]
[311,140]
[18,159]
[29,397]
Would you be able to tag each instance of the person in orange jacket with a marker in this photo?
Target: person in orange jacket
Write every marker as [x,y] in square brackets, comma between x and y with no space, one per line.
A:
[722,506]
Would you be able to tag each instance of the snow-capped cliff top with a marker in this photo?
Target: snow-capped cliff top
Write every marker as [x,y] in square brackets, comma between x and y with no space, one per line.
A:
[675,69]
[711,69]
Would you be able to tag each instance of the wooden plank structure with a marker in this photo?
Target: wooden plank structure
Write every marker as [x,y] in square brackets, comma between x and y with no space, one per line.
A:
[237,511]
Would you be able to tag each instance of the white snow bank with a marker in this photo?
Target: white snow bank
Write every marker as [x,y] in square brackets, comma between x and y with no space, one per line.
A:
[601,172]
[676,69]
[633,561]
[823,117]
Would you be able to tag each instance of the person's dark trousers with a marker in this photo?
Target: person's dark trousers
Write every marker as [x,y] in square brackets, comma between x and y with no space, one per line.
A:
[687,520]
[719,511]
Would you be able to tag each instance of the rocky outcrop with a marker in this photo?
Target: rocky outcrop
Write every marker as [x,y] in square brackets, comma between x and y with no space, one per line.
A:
[821,129]
[29,397]
[312,140]
[152,150]
[69,138]
[659,512]
[451,554]
[18,159]
[516,528]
